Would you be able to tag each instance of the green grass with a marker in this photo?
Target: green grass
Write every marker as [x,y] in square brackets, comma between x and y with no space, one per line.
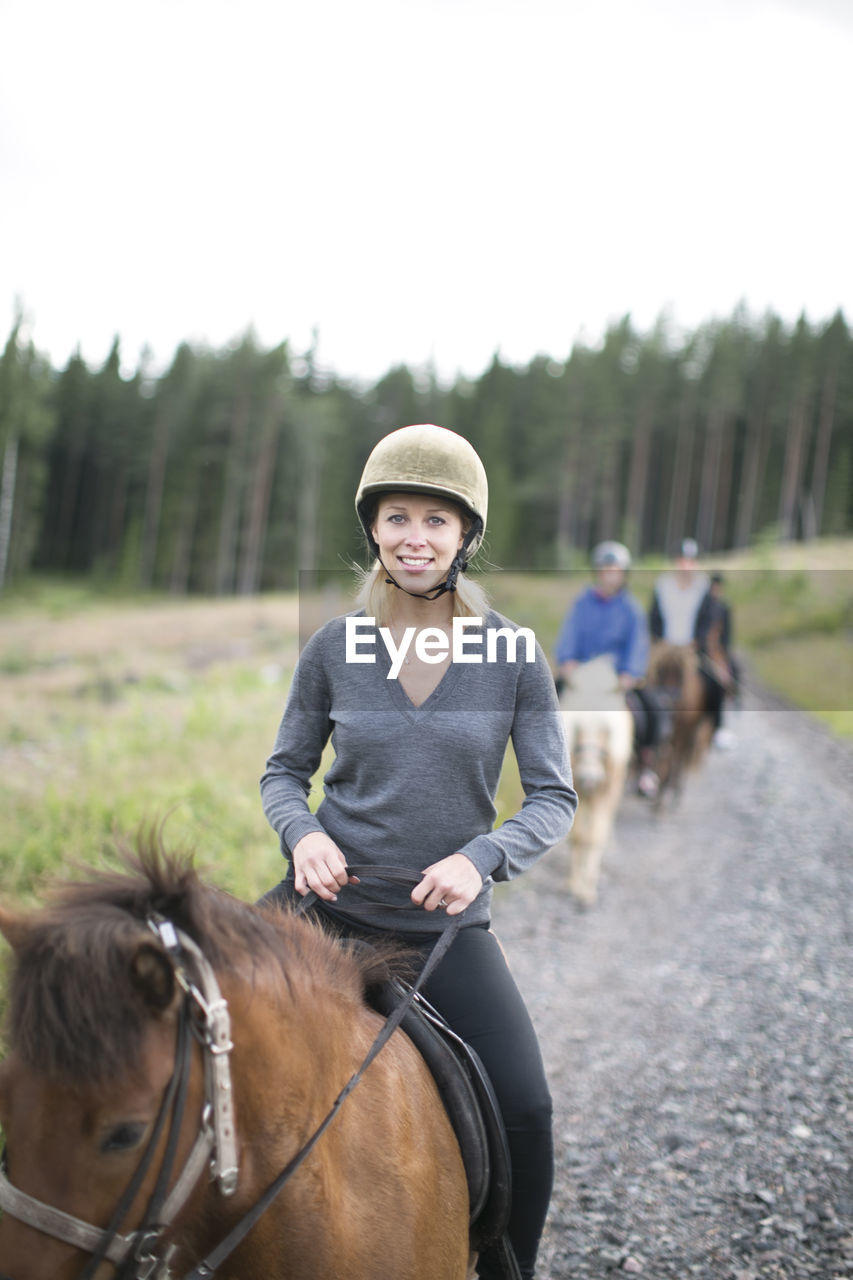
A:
[815,672]
[795,627]
[96,767]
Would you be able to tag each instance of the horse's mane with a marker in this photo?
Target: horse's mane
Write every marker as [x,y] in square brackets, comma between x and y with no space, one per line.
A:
[73,1007]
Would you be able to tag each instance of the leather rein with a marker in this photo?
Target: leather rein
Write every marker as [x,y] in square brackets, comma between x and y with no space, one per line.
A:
[204,1014]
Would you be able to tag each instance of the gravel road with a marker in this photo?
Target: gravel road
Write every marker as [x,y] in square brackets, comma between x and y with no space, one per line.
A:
[697,1024]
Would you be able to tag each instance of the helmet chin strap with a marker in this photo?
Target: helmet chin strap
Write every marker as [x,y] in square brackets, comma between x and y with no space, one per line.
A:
[449,583]
[459,565]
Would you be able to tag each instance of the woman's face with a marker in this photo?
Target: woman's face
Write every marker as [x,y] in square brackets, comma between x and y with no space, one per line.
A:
[418,535]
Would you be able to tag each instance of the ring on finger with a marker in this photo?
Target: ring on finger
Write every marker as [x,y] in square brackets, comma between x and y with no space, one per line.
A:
[443,902]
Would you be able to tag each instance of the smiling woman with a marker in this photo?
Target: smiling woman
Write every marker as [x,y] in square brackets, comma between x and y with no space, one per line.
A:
[413,784]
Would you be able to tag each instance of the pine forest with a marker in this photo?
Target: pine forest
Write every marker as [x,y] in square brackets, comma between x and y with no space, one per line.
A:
[235,469]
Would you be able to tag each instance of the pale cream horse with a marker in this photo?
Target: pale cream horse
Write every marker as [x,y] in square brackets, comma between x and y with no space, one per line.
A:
[600,733]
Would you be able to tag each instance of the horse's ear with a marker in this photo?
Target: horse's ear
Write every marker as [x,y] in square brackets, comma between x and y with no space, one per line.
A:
[153,976]
[14,928]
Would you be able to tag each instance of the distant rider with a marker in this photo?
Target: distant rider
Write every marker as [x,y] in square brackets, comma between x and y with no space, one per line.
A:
[685,608]
[725,671]
[606,619]
[681,604]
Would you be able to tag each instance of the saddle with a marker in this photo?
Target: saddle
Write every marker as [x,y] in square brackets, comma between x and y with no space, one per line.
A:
[471,1106]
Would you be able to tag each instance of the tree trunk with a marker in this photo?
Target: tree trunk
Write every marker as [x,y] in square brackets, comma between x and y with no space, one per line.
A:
[608,523]
[226,557]
[64,530]
[820,469]
[182,557]
[709,480]
[7,502]
[259,500]
[582,495]
[792,478]
[753,467]
[724,488]
[635,507]
[681,478]
[568,467]
[116,530]
[306,533]
[154,499]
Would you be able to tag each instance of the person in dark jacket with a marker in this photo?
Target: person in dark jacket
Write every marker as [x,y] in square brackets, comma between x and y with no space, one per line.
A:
[719,666]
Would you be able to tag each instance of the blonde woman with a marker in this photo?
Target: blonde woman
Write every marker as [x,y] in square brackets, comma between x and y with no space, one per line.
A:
[420,690]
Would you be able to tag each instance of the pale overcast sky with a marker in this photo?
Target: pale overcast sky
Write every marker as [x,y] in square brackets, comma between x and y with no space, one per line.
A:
[420,180]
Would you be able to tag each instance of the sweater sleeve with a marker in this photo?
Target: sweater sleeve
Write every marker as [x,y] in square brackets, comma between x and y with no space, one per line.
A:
[541,750]
[303,733]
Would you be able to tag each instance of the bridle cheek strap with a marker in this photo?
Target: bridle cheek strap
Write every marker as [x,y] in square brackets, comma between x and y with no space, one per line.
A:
[215,1034]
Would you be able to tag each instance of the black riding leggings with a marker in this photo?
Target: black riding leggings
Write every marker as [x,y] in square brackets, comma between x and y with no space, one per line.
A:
[475,993]
[714,697]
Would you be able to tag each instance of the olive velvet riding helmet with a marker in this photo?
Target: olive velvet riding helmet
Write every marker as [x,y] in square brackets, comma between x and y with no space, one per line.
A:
[431,460]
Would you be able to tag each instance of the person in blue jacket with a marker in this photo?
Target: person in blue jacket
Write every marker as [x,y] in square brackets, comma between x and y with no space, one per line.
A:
[606,619]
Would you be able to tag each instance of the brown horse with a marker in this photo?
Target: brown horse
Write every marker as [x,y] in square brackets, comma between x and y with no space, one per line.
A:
[97,1128]
[680,693]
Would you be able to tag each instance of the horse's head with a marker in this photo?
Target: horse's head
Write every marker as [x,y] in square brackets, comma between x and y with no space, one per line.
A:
[94,1024]
[668,666]
[597,722]
[599,743]
[116,1095]
[675,685]
[590,758]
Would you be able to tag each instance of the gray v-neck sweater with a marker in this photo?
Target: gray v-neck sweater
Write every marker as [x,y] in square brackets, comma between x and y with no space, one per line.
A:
[411,785]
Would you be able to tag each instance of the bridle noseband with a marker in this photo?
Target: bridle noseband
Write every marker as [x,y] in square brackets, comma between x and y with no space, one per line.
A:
[204,1014]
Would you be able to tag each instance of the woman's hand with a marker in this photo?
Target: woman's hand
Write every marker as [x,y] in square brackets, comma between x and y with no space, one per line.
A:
[320,866]
[451,884]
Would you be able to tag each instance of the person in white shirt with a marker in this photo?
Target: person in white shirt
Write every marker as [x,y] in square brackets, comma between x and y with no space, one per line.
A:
[681,602]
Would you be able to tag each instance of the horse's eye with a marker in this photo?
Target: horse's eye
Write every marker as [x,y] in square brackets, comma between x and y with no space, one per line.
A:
[124,1137]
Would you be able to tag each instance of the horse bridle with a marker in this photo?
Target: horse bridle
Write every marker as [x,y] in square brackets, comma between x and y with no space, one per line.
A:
[204,1013]
[204,1010]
